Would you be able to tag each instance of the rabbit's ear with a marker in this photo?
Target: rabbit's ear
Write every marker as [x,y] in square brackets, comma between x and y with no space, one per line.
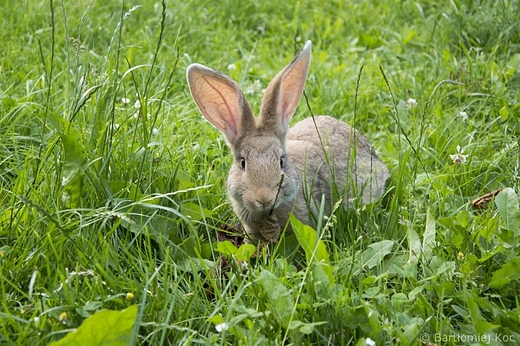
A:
[284,93]
[220,100]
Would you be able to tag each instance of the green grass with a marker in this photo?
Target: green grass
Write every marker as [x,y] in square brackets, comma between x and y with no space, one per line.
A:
[100,197]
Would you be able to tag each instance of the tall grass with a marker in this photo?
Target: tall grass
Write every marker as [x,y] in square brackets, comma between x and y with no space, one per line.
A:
[112,185]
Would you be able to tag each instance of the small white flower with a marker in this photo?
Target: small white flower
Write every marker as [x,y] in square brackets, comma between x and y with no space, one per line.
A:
[114,127]
[65,197]
[254,88]
[221,327]
[459,157]
[244,266]
[231,67]
[463,115]
[411,103]
[155,131]
[370,342]
[125,100]
[137,104]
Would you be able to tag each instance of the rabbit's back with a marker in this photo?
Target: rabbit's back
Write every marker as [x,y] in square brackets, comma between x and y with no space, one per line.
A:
[355,169]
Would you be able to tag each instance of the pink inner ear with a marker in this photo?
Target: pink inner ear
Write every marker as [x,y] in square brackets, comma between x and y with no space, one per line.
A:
[292,85]
[219,102]
[217,99]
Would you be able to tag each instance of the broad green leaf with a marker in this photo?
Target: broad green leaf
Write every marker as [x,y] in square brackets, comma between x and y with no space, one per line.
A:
[414,244]
[7,102]
[503,276]
[226,248]
[195,265]
[376,252]
[74,155]
[280,300]
[507,204]
[504,113]
[217,319]
[481,326]
[487,255]
[415,292]
[429,237]
[245,313]
[304,328]
[244,252]
[444,269]
[315,249]
[85,96]
[409,35]
[106,328]
[411,331]
[91,306]
[194,211]
[399,298]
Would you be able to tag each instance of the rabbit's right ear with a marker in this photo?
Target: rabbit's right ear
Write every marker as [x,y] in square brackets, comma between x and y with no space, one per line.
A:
[284,93]
[220,100]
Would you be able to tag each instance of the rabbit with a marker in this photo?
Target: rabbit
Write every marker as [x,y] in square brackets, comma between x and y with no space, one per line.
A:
[279,170]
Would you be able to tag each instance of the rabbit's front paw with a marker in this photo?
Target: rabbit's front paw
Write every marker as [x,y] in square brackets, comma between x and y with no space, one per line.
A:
[270,229]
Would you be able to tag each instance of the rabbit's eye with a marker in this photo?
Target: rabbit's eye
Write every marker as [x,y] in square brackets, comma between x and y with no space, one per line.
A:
[243,163]
[281,162]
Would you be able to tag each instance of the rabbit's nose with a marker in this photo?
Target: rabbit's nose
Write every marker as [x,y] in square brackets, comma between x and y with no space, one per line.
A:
[264,203]
[264,200]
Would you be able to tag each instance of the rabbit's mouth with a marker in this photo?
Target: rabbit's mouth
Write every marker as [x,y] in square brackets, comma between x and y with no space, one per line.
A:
[261,205]
[261,200]
[264,200]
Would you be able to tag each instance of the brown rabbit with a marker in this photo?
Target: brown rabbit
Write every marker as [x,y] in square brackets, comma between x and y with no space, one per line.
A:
[277,170]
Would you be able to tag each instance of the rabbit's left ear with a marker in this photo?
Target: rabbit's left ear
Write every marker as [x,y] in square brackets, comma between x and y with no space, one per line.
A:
[221,101]
[284,93]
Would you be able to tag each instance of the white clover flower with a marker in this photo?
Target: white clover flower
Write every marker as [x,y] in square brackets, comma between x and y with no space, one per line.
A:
[65,197]
[254,88]
[370,342]
[463,115]
[125,100]
[221,327]
[232,67]
[244,266]
[411,103]
[137,104]
[459,157]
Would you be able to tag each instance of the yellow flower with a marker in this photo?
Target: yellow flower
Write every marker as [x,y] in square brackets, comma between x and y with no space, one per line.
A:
[129,296]
[62,317]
